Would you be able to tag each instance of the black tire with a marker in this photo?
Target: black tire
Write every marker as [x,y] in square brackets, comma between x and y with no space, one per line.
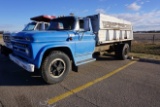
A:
[122,51]
[55,67]
[96,54]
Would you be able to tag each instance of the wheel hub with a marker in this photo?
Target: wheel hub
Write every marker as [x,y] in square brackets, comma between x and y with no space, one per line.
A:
[57,68]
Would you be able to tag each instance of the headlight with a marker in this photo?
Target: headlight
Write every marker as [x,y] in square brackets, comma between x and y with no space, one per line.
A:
[5,37]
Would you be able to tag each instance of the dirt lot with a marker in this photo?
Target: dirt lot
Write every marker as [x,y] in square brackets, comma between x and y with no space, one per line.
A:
[1,41]
[0,35]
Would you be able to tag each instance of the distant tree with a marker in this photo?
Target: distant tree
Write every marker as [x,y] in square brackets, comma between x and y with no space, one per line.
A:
[150,31]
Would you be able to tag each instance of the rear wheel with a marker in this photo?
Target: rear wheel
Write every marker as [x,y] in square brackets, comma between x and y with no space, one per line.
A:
[122,51]
[55,67]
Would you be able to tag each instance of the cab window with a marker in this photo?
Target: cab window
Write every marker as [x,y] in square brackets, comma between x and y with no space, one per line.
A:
[46,26]
[39,26]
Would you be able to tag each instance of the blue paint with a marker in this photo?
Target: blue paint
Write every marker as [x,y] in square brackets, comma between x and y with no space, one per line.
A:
[81,43]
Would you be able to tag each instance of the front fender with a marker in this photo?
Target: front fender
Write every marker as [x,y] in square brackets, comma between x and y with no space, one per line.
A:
[41,53]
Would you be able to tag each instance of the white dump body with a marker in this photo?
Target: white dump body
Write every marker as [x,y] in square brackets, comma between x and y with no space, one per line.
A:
[110,29]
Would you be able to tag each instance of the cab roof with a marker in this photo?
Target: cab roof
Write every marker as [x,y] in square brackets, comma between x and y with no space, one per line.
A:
[43,18]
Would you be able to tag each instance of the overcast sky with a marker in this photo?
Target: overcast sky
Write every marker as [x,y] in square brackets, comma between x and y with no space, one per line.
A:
[144,14]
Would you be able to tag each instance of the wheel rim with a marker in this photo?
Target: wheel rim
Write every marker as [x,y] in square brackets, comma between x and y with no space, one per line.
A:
[57,68]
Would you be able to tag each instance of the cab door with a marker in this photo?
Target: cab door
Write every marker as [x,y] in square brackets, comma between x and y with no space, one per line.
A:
[85,40]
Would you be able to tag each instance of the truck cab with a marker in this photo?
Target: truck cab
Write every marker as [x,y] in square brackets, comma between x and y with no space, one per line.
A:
[68,41]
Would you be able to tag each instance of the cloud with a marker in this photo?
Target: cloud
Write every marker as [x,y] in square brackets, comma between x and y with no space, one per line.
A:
[143,21]
[100,10]
[134,6]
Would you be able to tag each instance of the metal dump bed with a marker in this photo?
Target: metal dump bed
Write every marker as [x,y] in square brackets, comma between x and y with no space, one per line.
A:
[110,29]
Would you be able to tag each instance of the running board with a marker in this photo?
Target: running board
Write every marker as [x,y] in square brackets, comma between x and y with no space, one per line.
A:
[85,61]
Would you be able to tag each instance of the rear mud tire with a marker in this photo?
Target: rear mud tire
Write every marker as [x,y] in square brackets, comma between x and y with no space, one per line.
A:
[122,51]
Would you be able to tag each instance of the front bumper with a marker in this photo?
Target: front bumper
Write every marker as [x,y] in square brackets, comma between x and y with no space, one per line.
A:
[27,66]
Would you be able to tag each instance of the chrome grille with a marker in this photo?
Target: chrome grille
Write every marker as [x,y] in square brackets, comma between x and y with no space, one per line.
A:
[20,45]
[18,38]
[20,48]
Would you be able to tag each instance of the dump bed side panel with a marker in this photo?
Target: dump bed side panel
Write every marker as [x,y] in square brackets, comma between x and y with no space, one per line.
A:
[110,29]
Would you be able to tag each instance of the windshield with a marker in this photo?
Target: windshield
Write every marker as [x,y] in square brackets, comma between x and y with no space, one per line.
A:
[64,23]
[30,26]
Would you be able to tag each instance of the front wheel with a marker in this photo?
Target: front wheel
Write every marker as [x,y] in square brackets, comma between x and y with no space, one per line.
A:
[55,67]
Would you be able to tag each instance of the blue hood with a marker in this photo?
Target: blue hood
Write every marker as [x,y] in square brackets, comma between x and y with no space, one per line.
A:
[43,36]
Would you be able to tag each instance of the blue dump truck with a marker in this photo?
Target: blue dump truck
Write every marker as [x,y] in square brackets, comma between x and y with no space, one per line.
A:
[38,23]
[70,41]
